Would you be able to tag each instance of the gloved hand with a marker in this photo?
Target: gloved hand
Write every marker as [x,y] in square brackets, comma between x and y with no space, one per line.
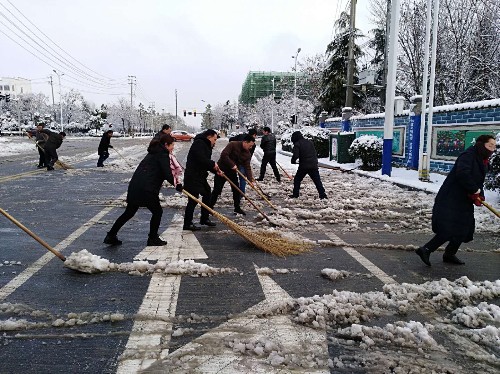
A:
[476,199]
[179,187]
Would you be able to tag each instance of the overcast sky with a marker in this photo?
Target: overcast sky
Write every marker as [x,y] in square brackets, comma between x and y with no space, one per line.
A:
[202,48]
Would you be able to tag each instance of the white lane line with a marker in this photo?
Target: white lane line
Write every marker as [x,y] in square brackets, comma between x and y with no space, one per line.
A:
[210,352]
[151,333]
[370,266]
[31,270]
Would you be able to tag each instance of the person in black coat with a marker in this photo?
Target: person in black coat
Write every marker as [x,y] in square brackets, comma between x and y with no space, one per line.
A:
[53,142]
[198,164]
[165,130]
[453,211]
[268,145]
[143,191]
[40,139]
[103,149]
[304,151]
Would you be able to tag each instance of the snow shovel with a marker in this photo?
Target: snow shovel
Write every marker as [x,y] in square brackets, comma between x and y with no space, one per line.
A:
[27,231]
[493,210]
[250,201]
[255,188]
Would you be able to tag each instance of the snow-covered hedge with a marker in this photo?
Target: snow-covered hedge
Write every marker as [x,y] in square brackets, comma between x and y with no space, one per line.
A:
[369,149]
[493,178]
[319,136]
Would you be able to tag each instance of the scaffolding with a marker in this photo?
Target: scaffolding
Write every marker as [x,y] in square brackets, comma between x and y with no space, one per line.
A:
[259,84]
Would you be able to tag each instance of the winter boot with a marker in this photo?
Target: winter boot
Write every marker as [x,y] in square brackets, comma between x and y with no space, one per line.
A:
[156,241]
[452,259]
[424,254]
[238,210]
[111,239]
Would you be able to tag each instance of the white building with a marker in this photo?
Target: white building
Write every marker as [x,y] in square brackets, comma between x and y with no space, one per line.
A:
[14,86]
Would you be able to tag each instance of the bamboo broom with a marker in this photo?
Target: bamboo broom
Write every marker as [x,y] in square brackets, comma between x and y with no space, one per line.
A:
[63,165]
[270,242]
[493,210]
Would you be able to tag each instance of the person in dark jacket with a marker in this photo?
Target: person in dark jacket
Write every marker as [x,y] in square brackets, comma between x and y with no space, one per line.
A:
[453,211]
[305,152]
[143,191]
[268,145]
[239,138]
[198,164]
[40,139]
[103,149]
[165,130]
[53,142]
[234,155]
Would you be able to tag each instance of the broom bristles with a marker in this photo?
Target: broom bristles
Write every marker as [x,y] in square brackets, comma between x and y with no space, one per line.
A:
[270,242]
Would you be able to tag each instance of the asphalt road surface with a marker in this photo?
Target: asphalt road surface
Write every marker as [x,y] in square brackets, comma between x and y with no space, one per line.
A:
[57,320]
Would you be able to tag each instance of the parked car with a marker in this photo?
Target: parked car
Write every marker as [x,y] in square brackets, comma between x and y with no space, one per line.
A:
[181,135]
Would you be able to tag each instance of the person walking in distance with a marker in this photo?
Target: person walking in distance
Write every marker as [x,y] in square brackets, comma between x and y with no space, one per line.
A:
[198,164]
[453,211]
[305,152]
[233,156]
[103,149]
[239,138]
[54,141]
[40,139]
[268,145]
[165,130]
[143,191]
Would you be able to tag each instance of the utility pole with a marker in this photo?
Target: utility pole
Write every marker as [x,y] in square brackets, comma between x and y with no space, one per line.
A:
[152,106]
[350,62]
[53,102]
[176,105]
[386,52]
[131,79]
[272,109]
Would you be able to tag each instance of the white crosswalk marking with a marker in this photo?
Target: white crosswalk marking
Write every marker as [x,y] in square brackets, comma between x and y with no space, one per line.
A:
[150,336]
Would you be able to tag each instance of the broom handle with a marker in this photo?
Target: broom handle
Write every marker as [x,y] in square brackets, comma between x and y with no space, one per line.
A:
[255,188]
[495,212]
[124,159]
[213,212]
[27,231]
[43,150]
[284,171]
[245,196]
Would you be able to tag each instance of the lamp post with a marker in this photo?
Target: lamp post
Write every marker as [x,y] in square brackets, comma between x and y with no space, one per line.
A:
[60,95]
[272,108]
[295,88]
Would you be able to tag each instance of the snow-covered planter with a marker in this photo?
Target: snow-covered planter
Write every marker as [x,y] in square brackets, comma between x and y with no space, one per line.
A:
[369,149]
[319,136]
[493,178]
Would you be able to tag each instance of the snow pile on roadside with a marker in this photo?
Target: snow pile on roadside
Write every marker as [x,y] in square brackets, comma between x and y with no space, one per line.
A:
[269,271]
[334,273]
[477,316]
[14,145]
[87,262]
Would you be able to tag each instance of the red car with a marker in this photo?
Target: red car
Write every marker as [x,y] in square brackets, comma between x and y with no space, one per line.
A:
[181,135]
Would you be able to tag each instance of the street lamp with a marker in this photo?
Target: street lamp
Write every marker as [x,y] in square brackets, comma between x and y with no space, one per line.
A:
[272,108]
[295,88]
[60,95]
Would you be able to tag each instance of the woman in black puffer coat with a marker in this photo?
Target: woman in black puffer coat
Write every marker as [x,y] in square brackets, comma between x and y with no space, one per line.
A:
[453,212]
[144,188]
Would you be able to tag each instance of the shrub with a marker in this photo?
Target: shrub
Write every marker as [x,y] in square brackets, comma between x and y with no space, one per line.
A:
[319,137]
[369,149]
[493,178]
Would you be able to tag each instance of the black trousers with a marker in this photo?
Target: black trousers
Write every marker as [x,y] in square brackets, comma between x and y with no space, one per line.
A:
[269,158]
[314,174]
[191,205]
[437,241]
[102,158]
[50,156]
[131,210]
[41,160]
[219,184]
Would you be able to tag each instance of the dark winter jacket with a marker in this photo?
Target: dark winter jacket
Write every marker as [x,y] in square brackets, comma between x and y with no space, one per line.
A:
[41,138]
[453,212]
[158,135]
[148,178]
[235,154]
[304,151]
[268,143]
[239,138]
[198,164]
[54,140]
[104,144]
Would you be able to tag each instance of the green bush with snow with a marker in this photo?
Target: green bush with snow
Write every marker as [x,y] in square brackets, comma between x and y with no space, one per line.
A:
[369,149]
[319,136]
[493,177]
